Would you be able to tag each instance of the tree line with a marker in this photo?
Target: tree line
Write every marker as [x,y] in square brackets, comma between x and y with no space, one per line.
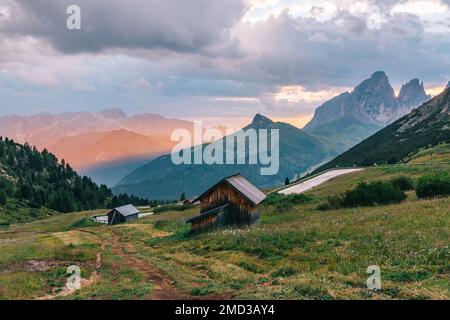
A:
[38,178]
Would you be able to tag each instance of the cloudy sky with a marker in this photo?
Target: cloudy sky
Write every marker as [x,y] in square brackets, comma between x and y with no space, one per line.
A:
[219,61]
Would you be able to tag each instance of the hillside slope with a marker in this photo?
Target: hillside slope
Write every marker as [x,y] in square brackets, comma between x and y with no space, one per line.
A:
[301,253]
[344,132]
[424,126]
[161,179]
[31,181]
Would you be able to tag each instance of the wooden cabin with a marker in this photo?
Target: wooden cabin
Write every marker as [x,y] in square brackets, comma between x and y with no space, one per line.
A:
[123,214]
[231,201]
[191,202]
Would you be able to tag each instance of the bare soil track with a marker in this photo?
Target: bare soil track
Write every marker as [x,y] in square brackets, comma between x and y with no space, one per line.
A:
[162,285]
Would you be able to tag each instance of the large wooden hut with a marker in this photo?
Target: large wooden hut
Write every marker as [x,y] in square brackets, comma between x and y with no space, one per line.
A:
[123,214]
[231,201]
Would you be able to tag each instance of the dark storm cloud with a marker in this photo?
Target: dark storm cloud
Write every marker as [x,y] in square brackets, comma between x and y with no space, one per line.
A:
[179,54]
[340,52]
[181,26]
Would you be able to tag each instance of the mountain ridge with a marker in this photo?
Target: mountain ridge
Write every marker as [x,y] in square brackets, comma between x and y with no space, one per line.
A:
[424,126]
[162,180]
[372,105]
[373,101]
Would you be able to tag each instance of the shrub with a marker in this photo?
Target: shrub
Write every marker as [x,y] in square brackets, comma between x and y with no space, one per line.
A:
[283,202]
[332,203]
[372,194]
[82,223]
[202,291]
[405,276]
[366,195]
[309,292]
[404,183]
[434,185]
[249,266]
[284,272]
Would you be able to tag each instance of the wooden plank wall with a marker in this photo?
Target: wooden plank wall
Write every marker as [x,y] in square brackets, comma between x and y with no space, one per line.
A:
[240,211]
[204,224]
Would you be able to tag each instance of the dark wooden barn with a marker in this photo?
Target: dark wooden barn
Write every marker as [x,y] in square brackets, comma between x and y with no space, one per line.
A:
[191,202]
[123,214]
[231,201]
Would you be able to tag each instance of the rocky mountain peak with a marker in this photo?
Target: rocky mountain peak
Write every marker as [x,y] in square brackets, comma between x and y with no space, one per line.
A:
[413,94]
[380,76]
[261,121]
[448,85]
[372,102]
[374,96]
[378,83]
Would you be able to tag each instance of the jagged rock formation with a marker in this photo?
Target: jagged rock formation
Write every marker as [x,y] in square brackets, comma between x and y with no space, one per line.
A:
[425,126]
[371,106]
[412,95]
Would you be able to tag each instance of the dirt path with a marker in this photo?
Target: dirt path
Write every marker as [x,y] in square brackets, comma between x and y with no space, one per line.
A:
[314,182]
[162,285]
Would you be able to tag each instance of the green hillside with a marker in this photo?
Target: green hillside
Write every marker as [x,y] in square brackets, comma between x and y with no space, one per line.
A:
[344,132]
[426,126]
[296,253]
[35,185]
[435,154]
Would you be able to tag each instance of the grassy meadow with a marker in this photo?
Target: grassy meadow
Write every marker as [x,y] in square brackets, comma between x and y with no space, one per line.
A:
[298,252]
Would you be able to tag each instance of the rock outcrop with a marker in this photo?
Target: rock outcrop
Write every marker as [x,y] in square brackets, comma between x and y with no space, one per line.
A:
[372,102]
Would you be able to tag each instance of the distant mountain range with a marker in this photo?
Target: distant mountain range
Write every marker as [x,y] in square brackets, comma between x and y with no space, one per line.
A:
[337,125]
[349,118]
[425,126]
[108,145]
[94,142]
[91,148]
[161,179]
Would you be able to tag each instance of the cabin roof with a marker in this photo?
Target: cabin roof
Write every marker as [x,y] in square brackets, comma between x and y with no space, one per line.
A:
[243,186]
[209,213]
[191,200]
[127,210]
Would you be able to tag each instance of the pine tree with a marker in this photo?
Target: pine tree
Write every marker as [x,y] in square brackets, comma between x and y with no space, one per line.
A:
[41,180]
[2,197]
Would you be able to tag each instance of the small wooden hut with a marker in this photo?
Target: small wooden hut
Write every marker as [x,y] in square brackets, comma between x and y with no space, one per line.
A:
[191,202]
[231,201]
[123,214]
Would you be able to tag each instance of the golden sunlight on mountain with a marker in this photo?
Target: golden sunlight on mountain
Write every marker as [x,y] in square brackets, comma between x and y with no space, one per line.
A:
[234,124]
[434,91]
[298,122]
[93,148]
